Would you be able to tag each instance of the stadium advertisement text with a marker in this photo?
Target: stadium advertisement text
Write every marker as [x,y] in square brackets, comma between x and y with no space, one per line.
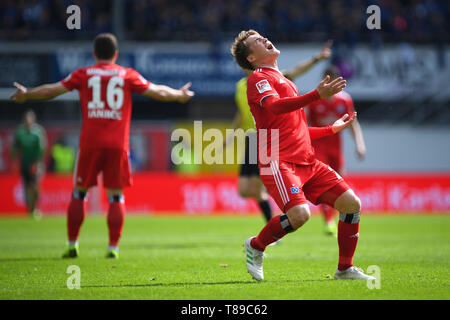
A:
[394,72]
[209,194]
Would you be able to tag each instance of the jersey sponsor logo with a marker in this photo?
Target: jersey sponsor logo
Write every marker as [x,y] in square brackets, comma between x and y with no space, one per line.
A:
[295,190]
[263,86]
[340,108]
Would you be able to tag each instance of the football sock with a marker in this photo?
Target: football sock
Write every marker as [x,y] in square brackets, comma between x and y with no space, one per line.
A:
[348,235]
[328,213]
[73,243]
[115,218]
[76,214]
[266,209]
[275,229]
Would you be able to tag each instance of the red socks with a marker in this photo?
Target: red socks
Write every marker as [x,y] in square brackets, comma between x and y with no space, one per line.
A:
[348,234]
[77,212]
[275,229]
[75,217]
[115,219]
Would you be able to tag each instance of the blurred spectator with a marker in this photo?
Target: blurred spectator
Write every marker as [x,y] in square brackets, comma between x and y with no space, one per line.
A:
[425,21]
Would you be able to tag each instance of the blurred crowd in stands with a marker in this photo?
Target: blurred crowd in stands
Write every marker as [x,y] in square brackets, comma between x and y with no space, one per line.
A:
[423,21]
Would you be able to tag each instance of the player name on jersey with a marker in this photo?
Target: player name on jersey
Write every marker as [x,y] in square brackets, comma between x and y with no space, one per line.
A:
[105,114]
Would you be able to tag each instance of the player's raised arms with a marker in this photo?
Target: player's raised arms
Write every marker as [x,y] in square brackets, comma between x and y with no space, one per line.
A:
[45,91]
[164,93]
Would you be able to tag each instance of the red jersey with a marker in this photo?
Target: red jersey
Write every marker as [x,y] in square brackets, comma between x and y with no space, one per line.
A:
[294,140]
[106,97]
[325,112]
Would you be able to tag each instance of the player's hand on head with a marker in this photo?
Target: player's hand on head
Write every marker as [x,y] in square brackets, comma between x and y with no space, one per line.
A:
[345,121]
[327,88]
[19,95]
[186,94]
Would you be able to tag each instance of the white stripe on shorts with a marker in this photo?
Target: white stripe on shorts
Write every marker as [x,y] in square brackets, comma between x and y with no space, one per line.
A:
[279,182]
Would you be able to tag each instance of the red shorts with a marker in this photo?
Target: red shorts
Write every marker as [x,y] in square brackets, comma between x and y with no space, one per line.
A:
[113,163]
[291,184]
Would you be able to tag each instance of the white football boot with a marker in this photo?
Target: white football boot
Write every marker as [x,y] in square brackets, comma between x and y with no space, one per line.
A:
[254,260]
[352,273]
[275,243]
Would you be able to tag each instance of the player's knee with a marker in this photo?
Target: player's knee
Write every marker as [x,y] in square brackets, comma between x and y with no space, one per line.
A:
[298,216]
[349,202]
[249,190]
[244,192]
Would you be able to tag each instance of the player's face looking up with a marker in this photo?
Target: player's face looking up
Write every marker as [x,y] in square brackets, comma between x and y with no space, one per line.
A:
[262,51]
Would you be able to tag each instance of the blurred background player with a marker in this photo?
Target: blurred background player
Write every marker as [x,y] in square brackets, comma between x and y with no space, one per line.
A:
[250,185]
[329,149]
[29,146]
[106,98]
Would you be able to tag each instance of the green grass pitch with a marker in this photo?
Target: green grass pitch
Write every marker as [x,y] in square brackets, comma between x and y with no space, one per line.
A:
[189,258]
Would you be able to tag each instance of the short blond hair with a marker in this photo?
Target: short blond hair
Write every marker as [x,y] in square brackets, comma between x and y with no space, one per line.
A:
[240,50]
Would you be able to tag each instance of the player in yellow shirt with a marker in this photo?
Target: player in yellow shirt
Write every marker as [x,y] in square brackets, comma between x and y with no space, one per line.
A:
[250,185]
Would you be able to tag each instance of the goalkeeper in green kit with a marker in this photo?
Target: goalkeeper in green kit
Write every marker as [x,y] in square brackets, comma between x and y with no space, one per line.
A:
[29,146]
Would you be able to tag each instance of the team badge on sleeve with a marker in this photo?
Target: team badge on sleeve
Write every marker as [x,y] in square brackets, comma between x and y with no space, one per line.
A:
[263,86]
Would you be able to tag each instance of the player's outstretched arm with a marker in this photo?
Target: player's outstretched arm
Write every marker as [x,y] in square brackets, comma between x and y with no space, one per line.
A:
[304,66]
[45,91]
[164,93]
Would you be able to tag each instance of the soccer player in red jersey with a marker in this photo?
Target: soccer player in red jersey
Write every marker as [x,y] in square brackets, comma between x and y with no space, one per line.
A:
[329,149]
[106,97]
[288,167]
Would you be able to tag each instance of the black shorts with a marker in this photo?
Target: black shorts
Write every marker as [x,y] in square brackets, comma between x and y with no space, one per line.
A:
[248,169]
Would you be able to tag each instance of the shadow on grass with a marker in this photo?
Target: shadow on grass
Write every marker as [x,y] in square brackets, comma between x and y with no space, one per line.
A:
[182,284]
[29,259]
[176,246]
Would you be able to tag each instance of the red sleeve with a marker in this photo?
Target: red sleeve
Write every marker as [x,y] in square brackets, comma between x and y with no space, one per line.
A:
[285,105]
[319,132]
[259,87]
[73,80]
[137,82]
